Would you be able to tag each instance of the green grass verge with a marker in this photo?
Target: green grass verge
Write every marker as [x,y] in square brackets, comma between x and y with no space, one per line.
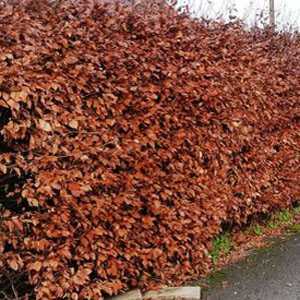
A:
[221,245]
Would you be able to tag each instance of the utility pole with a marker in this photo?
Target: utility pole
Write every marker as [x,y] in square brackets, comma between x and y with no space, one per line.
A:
[272,14]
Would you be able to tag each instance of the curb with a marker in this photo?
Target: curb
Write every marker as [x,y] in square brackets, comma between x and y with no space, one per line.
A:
[179,293]
[132,295]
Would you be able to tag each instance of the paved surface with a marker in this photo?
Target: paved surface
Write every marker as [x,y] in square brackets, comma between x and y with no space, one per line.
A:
[270,274]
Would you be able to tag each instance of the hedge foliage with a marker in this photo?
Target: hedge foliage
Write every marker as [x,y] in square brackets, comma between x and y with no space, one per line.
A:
[130,134]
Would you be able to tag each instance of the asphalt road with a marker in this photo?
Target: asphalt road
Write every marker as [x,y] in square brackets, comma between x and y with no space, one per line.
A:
[270,274]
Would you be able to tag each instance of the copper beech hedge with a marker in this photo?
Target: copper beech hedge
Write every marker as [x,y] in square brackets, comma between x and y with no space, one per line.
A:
[131,134]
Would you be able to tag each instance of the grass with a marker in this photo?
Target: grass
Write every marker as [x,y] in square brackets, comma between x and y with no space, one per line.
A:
[257,229]
[294,228]
[283,217]
[216,278]
[221,245]
[296,210]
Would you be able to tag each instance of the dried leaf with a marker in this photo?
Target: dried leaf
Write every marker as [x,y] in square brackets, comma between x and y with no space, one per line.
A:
[45,126]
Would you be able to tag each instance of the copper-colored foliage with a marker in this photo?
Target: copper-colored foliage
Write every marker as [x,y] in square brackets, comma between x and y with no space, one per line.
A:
[130,134]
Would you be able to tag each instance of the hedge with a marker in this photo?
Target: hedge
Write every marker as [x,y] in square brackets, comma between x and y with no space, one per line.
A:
[131,134]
